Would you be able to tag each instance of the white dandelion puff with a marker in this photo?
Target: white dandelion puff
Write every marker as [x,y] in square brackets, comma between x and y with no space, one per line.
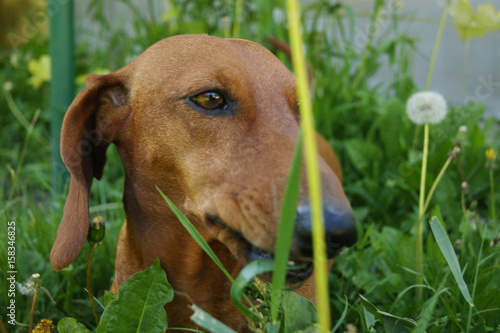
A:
[29,286]
[426,107]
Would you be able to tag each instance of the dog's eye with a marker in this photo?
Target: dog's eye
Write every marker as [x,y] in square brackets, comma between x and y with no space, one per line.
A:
[210,100]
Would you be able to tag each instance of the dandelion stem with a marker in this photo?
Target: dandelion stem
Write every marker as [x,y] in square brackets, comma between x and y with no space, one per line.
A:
[421,212]
[438,178]
[30,329]
[89,285]
[436,46]
[421,202]
[492,198]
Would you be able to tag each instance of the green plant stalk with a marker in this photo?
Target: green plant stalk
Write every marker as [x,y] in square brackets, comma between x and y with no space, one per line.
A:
[466,222]
[421,213]
[437,43]
[476,274]
[21,118]
[93,305]
[438,179]
[421,202]
[238,11]
[30,329]
[492,200]
[311,159]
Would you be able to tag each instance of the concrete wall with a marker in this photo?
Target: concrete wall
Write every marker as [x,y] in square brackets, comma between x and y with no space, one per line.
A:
[458,77]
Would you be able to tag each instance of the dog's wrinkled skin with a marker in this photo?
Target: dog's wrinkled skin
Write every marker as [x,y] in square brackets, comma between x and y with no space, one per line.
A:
[224,168]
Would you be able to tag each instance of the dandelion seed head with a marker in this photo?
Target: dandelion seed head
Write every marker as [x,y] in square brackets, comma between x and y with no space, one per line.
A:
[426,107]
[26,288]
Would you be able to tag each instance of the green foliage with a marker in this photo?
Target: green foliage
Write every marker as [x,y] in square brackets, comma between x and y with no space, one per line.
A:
[70,325]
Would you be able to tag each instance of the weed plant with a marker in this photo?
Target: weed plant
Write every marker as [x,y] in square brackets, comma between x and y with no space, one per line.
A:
[372,285]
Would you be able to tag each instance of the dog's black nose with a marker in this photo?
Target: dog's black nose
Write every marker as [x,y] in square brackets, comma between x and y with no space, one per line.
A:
[340,230]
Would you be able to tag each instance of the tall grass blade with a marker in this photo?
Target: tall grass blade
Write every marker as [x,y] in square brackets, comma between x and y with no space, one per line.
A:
[428,308]
[285,230]
[246,275]
[311,157]
[206,321]
[342,317]
[450,256]
[196,235]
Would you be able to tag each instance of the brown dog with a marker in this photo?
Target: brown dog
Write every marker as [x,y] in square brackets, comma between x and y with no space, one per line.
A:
[213,123]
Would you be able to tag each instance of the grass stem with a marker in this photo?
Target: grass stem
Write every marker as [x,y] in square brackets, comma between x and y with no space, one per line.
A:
[35,294]
[492,200]
[439,176]
[89,285]
[421,213]
[421,202]
[437,42]
[476,275]
[312,168]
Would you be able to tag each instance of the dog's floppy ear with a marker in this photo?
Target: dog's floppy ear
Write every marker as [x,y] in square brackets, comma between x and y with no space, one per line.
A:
[90,125]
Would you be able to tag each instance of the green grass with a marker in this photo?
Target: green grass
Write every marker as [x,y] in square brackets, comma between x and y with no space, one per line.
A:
[379,148]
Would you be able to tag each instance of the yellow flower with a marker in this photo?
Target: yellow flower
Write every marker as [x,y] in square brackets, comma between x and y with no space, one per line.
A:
[40,71]
[491,155]
[45,326]
[469,24]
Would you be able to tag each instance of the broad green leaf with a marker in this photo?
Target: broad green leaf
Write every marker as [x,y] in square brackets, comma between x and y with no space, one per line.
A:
[206,321]
[285,231]
[196,235]
[70,325]
[139,305]
[450,256]
[300,313]
[246,275]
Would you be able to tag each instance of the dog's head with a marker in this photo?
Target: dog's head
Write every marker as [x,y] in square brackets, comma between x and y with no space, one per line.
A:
[211,122]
